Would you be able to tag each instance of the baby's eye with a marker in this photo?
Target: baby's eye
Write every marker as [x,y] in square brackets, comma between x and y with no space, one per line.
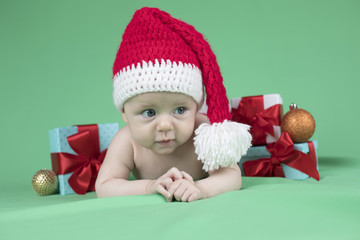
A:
[180,110]
[149,113]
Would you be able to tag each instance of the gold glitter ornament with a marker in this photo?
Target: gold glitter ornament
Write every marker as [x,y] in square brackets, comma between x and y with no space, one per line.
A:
[45,182]
[299,123]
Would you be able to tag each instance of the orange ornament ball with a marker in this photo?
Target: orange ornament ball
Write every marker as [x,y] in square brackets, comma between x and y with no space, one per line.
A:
[298,123]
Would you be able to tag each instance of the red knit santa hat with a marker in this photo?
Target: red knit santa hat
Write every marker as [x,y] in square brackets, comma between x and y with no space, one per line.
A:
[161,53]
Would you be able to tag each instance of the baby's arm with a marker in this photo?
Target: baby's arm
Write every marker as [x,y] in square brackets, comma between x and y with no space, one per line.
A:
[220,181]
[115,170]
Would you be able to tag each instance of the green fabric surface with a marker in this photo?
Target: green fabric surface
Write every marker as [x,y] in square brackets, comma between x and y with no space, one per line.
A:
[55,71]
[272,208]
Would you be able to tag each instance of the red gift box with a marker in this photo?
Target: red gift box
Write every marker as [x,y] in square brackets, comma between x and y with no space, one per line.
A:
[282,159]
[263,113]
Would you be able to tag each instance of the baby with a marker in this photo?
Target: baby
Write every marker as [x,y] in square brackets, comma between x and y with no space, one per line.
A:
[160,72]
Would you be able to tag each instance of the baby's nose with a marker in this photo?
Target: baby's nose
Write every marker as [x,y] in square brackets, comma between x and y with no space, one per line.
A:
[164,124]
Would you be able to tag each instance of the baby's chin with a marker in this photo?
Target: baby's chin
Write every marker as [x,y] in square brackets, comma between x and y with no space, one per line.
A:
[165,148]
[168,148]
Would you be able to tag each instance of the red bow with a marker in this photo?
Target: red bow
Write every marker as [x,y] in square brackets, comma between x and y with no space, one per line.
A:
[283,152]
[251,111]
[85,166]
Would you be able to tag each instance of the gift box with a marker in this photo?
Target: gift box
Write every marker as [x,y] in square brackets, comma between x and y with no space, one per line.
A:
[263,113]
[282,159]
[77,153]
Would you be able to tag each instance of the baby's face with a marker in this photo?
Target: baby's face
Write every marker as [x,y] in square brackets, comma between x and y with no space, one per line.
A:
[161,121]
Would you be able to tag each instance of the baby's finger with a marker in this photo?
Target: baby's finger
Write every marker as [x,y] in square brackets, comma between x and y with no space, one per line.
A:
[187,176]
[180,191]
[194,196]
[160,189]
[174,173]
[166,182]
[173,187]
[186,195]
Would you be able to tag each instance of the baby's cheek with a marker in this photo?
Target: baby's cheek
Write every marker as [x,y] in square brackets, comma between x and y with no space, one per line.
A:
[142,137]
[186,132]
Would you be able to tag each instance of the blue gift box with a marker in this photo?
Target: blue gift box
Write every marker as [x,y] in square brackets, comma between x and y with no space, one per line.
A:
[59,143]
[258,152]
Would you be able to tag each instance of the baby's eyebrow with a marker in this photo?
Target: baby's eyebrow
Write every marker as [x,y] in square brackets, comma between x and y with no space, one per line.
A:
[145,105]
[152,105]
[182,102]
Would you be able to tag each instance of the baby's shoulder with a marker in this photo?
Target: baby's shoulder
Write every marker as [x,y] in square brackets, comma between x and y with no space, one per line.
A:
[121,148]
[123,137]
[123,133]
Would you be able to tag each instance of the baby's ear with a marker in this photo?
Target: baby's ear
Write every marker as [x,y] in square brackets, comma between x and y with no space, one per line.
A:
[124,116]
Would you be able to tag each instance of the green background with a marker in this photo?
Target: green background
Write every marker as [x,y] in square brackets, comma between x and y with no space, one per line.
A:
[56,67]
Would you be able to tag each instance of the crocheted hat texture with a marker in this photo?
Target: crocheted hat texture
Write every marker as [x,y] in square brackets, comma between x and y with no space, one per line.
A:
[161,53]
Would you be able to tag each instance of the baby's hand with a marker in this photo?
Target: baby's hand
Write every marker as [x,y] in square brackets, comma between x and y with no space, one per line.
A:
[162,184]
[184,190]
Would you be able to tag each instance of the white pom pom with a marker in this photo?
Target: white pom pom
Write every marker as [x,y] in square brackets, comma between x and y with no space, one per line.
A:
[221,144]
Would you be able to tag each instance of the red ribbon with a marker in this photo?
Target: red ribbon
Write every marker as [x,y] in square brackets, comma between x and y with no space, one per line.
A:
[251,111]
[86,164]
[283,152]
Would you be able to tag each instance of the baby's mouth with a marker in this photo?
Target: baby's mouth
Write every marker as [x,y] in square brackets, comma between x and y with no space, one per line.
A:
[166,142]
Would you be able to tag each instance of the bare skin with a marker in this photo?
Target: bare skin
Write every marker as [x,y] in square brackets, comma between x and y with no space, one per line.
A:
[157,146]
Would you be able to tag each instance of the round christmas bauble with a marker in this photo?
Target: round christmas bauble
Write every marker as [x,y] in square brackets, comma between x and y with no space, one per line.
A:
[298,123]
[45,182]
